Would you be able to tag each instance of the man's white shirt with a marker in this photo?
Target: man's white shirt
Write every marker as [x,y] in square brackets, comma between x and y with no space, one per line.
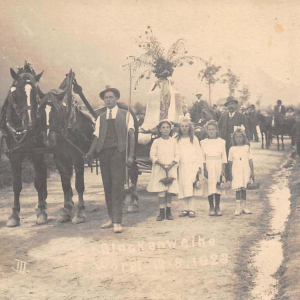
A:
[114,112]
[231,115]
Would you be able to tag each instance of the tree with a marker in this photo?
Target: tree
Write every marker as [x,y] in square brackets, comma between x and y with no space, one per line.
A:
[245,94]
[209,75]
[232,81]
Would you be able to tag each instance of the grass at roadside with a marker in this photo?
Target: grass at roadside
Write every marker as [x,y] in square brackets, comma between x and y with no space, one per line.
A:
[288,274]
[27,171]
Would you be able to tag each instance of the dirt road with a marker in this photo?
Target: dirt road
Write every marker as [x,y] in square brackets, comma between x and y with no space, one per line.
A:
[201,258]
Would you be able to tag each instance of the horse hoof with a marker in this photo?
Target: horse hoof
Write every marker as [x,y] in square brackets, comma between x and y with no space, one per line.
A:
[42,219]
[78,219]
[64,217]
[13,221]
[132,209]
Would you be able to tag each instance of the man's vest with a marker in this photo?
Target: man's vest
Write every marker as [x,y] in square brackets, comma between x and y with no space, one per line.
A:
[113,132]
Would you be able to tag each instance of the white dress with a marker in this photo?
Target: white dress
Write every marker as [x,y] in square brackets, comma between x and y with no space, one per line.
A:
[166,151]
[240,156]
[191,159]
[214,154]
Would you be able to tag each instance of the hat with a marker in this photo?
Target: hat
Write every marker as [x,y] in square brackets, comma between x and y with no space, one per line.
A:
[230,99]
[279,101]
[199,94]
[110,89]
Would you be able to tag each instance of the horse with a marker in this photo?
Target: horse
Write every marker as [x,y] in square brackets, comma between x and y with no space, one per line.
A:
[265,127]
[201,114]
[23,138]
[133,171]
[280,126]
[68,133]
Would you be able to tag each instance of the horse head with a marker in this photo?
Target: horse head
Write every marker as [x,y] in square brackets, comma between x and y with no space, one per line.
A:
[23,94]
[52,112]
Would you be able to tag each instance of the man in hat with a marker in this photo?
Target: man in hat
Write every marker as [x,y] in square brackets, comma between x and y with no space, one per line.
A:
[202,103]
[253,122]
[113,129]
[279,108]
[228,121]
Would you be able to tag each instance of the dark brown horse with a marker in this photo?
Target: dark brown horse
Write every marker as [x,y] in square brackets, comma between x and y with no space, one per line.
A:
[68,133]
[23,138]
[280,126]
[265,122]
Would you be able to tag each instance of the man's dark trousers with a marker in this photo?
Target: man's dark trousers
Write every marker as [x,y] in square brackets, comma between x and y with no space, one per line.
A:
[254,132]
[112,164]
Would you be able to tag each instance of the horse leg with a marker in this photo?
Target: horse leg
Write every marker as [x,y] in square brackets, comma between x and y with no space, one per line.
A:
[16,167]
[134,204]
[277,141]
[65,168]
[79,184]
[262,140]
[282,142]
[40,184]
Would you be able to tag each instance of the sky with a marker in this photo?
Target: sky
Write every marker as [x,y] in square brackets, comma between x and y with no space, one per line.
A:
[258,40]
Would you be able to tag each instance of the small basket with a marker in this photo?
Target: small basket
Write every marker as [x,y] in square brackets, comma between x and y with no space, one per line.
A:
[221,185]
[252,185]
[198,184]
[168,180]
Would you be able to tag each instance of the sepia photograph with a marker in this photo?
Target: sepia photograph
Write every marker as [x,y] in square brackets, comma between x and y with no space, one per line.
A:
[149,150]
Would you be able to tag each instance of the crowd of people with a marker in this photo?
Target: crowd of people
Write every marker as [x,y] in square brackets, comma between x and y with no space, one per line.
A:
[181,165]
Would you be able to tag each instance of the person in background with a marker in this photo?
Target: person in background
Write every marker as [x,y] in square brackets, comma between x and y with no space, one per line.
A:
[228,122]
[279,108]
[253,121]
[290,112]
[295,133]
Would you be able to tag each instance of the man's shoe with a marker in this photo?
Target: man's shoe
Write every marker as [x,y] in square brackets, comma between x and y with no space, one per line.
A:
[107,225]
[117,228]
[212,212]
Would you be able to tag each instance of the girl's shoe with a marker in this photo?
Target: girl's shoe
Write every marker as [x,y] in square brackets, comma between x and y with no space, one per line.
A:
[161,215]
[217,208]
[237,207]
[244,209]
[168,214]
[184,213]
[211,207]
[192,214]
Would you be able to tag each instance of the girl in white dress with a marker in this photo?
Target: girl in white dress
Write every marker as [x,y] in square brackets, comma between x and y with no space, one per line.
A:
[190,165]
[165,156]
[215,160]
[241,169]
